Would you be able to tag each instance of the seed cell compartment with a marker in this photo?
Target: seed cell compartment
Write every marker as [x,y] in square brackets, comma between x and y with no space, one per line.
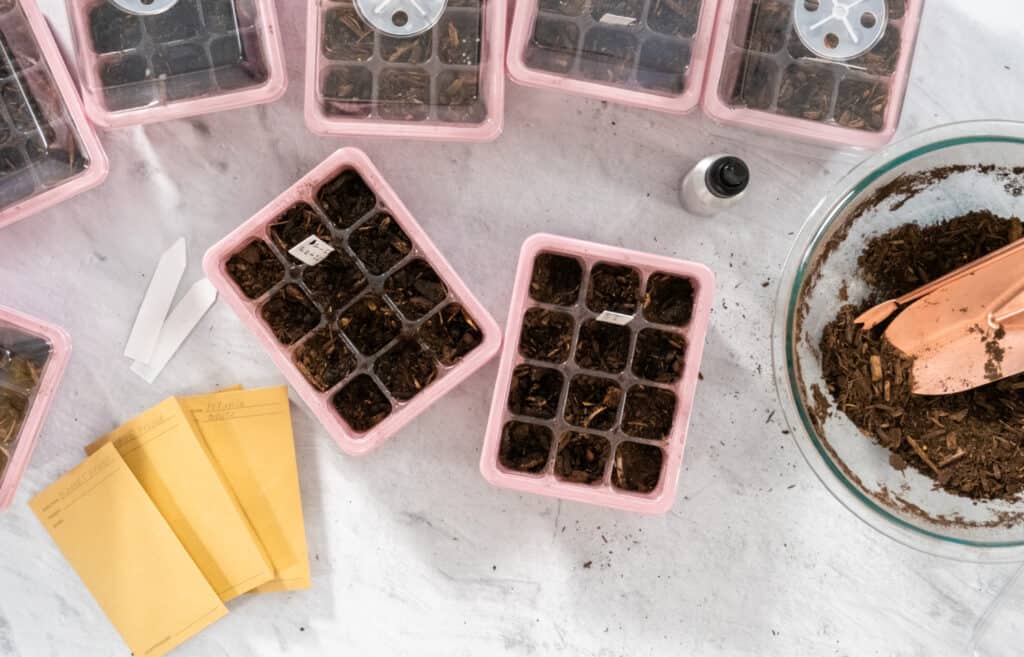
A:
[48,150]
[33,356]
[446,83]
[373,333]
[762,75]
[598,374]
[199,56]
[648,53]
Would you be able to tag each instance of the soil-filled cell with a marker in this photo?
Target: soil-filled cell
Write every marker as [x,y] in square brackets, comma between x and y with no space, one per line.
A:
[113,30]
[227,51]
[403,94]
[608,55]
[603,346]
[334,281]
[290,314]
[179,22]
[370,324]
[563,7]
[556,279]
[614,288]
[125,82]
[770,23]
[255,269]
[458,39]
[525,447]
[755,84]
[663,65]
[347,91]
[675,17]
[649,412]
[346,199]
[416,289]
[414,50]
[346,36]
[324,359]
[806,92]
[593,402]
[221,16]
[616,12]
[405,369]
[660,356]
[553,45]
[861,104]
[458,97]
[882,59]
[380,243]
[582,458]
[546,335]
[897,8]
[12,413]
[637,467]
[451,334]
[297,224]
[535,391]
[669,300]
[186,70]
[362,404]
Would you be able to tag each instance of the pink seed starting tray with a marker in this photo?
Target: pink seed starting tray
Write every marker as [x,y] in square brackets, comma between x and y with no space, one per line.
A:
[353,302]
[598,374]
[647,53]
[434,75]
[763,75]
[48,150]
[33,356]
[198,56]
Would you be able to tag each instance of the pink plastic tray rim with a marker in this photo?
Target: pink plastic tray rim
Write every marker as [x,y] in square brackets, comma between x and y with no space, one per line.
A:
[268,92]
[351,442]
[60,343]
[662,498]
[99,166]
[523,17]
[803,129]
[494,91]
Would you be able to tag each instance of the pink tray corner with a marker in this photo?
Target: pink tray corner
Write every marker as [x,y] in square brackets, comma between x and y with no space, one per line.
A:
[348,440]
[663,497]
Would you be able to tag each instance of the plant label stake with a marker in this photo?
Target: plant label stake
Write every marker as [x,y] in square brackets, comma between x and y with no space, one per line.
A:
[840,30]
[401,18]
[145,7]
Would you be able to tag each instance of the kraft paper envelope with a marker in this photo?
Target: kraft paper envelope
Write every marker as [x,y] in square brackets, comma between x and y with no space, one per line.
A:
[126,554]
[249,434]
[164,451]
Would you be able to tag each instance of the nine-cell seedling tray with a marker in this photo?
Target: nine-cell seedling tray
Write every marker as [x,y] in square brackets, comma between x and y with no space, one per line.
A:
[648,53]
[33,356]
[198,56]
[598,374]
[446,83]
[48,150]
[762,75]
[379,327]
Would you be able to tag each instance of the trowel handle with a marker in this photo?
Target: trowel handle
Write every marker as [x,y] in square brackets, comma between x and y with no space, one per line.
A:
[1011,307]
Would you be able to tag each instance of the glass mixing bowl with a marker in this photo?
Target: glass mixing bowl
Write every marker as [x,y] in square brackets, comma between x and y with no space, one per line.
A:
[943,173]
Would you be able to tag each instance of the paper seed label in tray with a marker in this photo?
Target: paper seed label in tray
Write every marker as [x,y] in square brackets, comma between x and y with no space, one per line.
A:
[611,317]
[312,250]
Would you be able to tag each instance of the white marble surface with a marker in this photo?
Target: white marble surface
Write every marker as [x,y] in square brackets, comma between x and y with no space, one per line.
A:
[413,553]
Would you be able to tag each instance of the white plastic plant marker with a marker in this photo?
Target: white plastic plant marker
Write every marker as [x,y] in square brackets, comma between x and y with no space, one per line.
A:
[312,250]
[182,320]
[611,317]
[156,303]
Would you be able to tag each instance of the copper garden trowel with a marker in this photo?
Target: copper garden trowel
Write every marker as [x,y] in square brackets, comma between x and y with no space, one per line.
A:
[965,329]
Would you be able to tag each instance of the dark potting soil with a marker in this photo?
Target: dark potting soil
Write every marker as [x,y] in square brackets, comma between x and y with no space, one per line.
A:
[608,55]
[380,243]
[582,458]
[755,83]
[637,467]
[525,447]
[348,91]
[255,269]
[334,281]
[663,65]
[971,443]
[534,391]
[459,39]
[861,104]
[362,404]
[806,92]
[649,412]
[403,94]
[603,346]
[324,359]
[370,324]
[556,279]
[406,51]
[113,30]
[674,17]
[458,93]
[593,402]
[660,356]
[669,300]
[220,15]
[546,335]
[882,59]
[290,314]
[614,288]
[13,408]
[179,22]
[451,334]
[416,289]
[346,36]
[346,199]
[405,369]
[770,23]
[617,8]
[553,45]
[296,225]
[564,7]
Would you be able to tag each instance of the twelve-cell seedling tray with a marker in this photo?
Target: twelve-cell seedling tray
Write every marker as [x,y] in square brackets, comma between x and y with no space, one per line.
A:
[352,300]
[195,57]
[598,374]
[648,53]
[33,356]
[439,75]
[791,66]
[48,150]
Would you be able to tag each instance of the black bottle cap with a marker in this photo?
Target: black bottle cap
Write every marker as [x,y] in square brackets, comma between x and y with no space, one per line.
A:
[727,177]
